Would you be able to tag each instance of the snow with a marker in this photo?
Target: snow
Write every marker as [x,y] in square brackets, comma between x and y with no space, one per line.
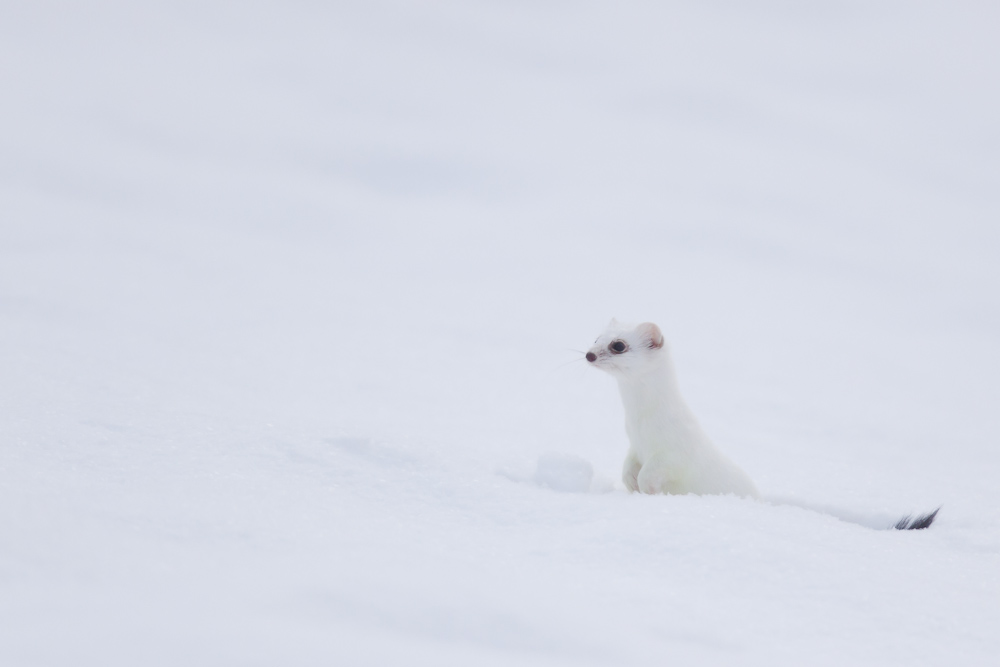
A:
[292,294]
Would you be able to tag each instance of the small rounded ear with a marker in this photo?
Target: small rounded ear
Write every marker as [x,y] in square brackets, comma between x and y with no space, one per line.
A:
[651,334]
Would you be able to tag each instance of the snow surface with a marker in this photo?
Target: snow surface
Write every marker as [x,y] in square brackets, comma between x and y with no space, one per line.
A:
[289,299]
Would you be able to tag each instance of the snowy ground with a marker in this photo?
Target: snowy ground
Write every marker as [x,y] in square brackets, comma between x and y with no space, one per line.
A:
[289,295]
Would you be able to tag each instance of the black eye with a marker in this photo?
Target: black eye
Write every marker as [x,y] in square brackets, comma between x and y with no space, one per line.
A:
[617,347]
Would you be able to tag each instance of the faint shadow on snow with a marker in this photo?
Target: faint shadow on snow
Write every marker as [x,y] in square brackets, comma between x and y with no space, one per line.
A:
[565,473]
[366,449]
[568,473]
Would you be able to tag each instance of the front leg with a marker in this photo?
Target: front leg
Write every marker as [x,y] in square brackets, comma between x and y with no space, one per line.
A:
[630,473]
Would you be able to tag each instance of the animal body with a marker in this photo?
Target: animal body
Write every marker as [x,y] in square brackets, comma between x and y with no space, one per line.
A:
[668,450]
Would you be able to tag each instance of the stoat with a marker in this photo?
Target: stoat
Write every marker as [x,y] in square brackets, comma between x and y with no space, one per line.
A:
[668,450]
[669,453]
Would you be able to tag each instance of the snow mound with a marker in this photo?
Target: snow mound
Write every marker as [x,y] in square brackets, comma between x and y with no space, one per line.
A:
[568,473]
[564,472]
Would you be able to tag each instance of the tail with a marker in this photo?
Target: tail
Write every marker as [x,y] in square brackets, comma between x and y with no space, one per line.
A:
[922,521]
[875,521]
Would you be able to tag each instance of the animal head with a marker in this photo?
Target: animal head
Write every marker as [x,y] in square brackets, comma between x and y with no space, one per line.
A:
[624,350]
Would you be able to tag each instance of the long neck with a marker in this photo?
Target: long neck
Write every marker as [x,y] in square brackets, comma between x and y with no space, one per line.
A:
[654,390]
[654,407]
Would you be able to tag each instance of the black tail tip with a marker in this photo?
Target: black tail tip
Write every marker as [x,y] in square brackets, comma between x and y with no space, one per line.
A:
[919,523]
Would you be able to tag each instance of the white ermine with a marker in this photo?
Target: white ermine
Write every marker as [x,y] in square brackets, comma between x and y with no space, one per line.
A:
[668,451]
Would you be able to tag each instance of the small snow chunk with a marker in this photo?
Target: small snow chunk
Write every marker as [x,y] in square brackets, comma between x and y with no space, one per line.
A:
[564,472]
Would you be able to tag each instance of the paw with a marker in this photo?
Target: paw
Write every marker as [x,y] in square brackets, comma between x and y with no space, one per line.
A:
[650,486]
[650,481]
[630,474]
[630,480]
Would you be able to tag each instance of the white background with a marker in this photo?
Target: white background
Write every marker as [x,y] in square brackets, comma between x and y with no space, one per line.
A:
[292,294]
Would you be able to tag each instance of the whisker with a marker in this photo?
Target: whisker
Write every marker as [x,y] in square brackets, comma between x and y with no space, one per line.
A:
[566,364]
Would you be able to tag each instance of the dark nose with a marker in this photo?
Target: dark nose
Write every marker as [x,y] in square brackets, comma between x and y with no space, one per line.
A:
[591,356]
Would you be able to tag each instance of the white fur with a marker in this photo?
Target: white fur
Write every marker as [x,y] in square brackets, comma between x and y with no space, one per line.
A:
[669,453]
